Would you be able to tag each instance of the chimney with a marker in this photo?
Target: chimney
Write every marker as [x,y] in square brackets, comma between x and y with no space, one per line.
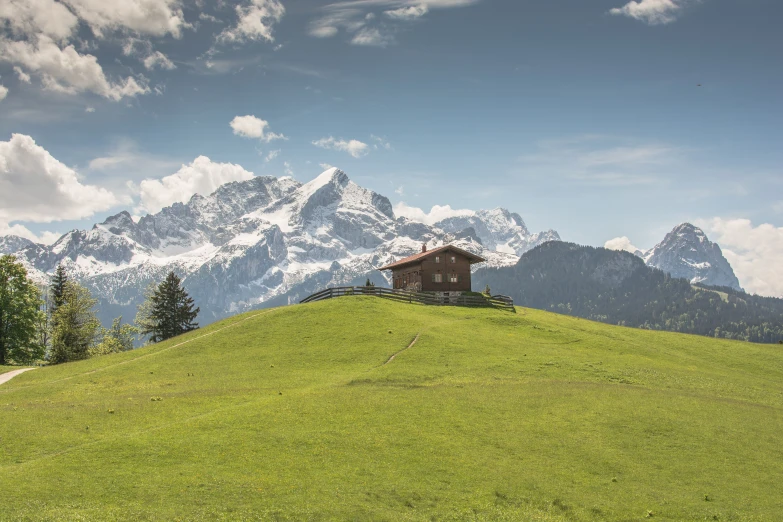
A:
[423,248]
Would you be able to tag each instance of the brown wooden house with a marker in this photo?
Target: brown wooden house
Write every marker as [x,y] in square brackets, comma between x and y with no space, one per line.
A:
[444,269]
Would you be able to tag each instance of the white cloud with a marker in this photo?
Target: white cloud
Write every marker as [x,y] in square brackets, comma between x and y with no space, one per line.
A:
[754,252]
[65,70]
[3,92]
[400,191]
[255,21]
[407,13]
[355,17]
[251,127]
[436,213]
[355,148]
[372,36]
[23,76]
[27,18]
[209,18]
[44,238]
[150,17]
[89,109]
[272,155]
[287,169]
[326,166]
[34,186]
[160,60]
[202,176]
[651,12]
[621,243]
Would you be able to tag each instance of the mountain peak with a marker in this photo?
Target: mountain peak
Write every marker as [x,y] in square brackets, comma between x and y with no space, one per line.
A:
[332,175]
[687,252]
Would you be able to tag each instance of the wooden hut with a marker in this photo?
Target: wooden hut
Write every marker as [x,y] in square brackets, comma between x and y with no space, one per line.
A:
[443,270]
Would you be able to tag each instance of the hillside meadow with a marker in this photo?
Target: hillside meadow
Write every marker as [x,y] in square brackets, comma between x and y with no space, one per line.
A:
[298,413]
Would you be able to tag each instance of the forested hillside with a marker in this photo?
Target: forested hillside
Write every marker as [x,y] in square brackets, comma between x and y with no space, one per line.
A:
[618,288]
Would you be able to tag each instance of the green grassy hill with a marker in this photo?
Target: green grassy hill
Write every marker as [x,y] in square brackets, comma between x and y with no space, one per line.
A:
[293,414]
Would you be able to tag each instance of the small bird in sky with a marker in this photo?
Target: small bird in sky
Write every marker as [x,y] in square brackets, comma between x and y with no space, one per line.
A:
[698,85]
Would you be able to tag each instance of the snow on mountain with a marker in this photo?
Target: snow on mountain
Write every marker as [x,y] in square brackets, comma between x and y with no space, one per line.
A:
[687,252]
[11,244]
[499,230]
[262,242]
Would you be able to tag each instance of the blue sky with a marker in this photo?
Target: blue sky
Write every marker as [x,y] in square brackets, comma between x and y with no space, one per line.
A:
[600,118]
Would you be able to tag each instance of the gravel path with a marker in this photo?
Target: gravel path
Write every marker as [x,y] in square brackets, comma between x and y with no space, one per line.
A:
[5,377]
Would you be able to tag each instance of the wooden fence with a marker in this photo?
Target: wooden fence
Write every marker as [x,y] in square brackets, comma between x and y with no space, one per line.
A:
[501,302]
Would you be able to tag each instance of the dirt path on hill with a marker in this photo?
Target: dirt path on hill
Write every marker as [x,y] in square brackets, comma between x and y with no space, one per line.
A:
[5,377]
[398,353]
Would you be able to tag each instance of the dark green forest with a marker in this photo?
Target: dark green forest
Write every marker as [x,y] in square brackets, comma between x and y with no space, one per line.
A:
[618,288]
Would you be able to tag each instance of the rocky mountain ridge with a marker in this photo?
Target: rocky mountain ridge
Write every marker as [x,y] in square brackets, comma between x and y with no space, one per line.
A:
[262,242]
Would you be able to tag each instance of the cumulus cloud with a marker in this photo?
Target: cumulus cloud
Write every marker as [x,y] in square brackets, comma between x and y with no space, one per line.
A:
[26,18]
[651,12]
[255,21]
[407,13]
[148,17]
[436,213]
[44,238]
[3,92]
[65,70]
[159,60]
[621,243]
[251,127]
[34,186]
[355,148]
[754,252]
[202,176]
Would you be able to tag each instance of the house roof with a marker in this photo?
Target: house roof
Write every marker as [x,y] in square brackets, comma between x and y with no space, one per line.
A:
[421,255]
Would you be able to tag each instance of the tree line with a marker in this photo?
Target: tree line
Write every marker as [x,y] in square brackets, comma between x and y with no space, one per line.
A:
[57,323]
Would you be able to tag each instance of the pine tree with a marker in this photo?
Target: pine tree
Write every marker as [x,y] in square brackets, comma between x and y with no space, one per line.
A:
[57,286]
[167,312]
[75,326]
[19,314]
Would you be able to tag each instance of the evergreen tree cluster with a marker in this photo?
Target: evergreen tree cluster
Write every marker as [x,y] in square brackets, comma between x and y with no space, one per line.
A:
[618,288]
[59,324]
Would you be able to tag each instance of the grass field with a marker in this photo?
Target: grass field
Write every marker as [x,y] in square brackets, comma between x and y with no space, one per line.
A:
[292,414]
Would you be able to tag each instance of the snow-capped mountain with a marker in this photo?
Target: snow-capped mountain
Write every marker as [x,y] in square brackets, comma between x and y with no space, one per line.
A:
[687,252]
[498,230]
[11,244]
[262,242]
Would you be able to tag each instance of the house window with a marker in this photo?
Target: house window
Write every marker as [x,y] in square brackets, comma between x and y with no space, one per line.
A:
[437,259]
[437,278]
[453,259]
[453,278]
